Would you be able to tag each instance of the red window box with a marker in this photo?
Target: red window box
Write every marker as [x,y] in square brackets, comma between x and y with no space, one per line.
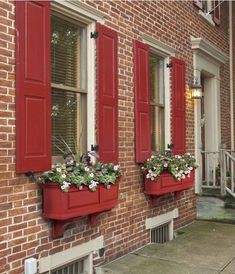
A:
[166,184]
[63,207]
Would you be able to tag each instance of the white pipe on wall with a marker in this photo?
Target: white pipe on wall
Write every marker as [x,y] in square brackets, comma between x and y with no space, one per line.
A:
[231,71]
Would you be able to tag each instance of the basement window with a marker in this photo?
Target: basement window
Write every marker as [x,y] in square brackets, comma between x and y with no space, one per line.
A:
[76,267]
[160,234]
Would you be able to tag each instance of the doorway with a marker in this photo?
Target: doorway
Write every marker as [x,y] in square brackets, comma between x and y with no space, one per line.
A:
[209,131]
[207,126]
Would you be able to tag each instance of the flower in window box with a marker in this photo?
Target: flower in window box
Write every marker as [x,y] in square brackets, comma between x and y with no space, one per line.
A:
[81,175]
[165,174]
[179,166]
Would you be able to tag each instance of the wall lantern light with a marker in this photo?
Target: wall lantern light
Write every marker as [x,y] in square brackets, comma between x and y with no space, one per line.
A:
[196,90]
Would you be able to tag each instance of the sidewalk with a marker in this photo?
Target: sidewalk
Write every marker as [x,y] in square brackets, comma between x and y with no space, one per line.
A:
[201,248]
[212,208]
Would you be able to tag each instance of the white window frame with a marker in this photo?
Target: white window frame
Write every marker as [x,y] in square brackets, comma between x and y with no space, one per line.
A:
[154,222]
[84,251]
[89,16]
[207,17]
[164,51]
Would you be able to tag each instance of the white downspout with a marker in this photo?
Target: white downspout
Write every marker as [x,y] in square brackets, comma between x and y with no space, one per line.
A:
[231,70]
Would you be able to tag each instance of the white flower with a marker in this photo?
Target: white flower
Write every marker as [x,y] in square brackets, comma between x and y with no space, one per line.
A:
[165,165]
[148,176]
[65,185]
[87,169]
[58,169]
[91,175]
[93,184]
[116,167]
[71,161]
[63,175]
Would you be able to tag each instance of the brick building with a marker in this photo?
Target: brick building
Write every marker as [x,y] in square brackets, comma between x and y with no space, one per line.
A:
[47,54]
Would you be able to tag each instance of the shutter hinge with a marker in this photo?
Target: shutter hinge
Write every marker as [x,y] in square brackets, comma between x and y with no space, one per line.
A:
[31,176]
[95,148]
[169,65]
[95,34]
[168,152]
[170,146]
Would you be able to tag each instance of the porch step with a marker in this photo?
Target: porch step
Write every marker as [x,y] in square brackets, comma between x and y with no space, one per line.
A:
[229,202]
[210,192]
[213,209]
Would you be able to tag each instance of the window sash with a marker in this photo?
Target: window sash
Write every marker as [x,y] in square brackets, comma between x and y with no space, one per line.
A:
[68,88]
[69,129]
[157,103]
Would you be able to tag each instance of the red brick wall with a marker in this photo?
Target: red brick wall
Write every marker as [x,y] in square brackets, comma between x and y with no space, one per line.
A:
[23,233]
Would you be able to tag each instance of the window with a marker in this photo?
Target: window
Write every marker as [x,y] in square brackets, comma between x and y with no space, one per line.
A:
[209,10]
[76,267]
[206,6]
[68,84]
[157,102]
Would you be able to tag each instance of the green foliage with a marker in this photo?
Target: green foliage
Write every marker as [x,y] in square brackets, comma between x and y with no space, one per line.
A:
[80,175]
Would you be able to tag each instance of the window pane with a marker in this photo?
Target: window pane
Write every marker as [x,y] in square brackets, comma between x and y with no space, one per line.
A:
[157,102]
[65,116]
[205,5]
[157,129]
[65,52]
[156,79]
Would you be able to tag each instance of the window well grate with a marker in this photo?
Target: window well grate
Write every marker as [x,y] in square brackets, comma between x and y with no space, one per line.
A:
[76,267]
[160,234]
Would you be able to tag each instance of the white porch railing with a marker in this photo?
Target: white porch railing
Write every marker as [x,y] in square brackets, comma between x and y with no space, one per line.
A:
[210,168]
[218,170]
[228,171]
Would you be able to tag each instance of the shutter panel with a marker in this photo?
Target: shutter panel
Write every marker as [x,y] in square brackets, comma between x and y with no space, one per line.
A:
[142,102]
[197,3]
[33,110]
[216,12]
[107,99]
[178,106]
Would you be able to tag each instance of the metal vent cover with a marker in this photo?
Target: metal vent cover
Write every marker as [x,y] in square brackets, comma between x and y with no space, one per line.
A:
[76,267]
[160,234]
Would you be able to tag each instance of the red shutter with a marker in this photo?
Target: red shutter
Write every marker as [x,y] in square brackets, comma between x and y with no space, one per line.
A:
[142,102]
[178,106]
[197,3]
[216,12]
[33,113]
[107,97]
